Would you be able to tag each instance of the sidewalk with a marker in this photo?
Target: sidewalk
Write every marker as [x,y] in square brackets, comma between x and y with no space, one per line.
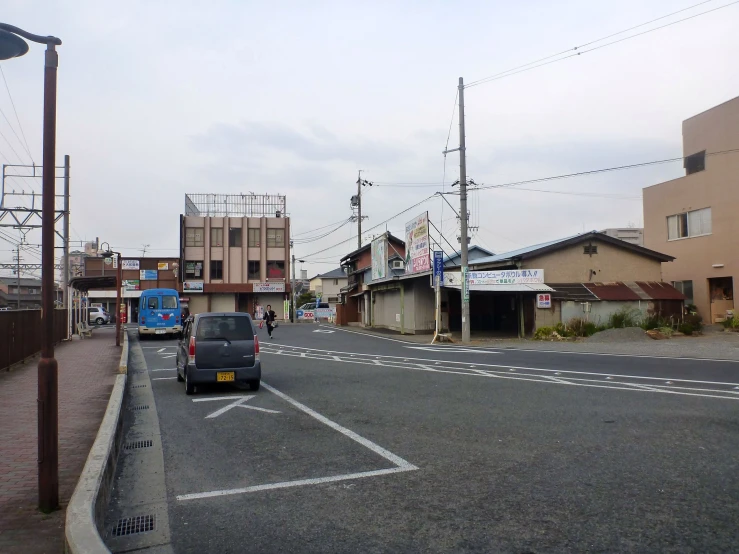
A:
[87,370]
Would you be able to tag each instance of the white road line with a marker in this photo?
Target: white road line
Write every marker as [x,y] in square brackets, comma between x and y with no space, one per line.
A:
[299,483]
[161,350]
[397,460]
[168,369]
[211,398]
[484,365]
[258,409]
[163,378]
[373,336]
[149,347]
[228,407]
[169,356]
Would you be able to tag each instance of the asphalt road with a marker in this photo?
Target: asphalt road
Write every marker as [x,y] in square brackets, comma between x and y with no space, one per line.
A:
[364,444]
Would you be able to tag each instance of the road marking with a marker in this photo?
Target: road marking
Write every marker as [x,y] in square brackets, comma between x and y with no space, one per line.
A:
[163,378]
[149,347]
[239,403]
[324,331]
[373,336]
[169,356]
[161,350]
[168,369]
[401,464]
[453,349]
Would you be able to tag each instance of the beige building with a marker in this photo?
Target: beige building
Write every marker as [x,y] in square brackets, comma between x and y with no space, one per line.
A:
[328,286]
[634,235]
[235,253]
[696,218]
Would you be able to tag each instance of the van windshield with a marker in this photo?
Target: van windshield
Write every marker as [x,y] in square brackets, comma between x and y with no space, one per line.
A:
[169,302]
[229,328]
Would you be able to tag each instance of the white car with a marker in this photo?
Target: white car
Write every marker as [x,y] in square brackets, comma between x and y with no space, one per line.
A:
[98,316]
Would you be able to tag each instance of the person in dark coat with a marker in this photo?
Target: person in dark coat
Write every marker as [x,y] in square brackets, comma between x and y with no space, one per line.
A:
[269,318]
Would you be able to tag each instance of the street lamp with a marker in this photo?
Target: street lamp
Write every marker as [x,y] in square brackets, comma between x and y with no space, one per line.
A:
[12,45]
[108,253]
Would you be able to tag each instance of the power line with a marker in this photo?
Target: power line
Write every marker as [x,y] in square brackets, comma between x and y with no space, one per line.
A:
[318,228]
[324,235]
[576,51]
[366,230]
[7,88]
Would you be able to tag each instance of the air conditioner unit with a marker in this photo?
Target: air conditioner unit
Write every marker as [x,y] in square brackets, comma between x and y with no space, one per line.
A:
[398,264]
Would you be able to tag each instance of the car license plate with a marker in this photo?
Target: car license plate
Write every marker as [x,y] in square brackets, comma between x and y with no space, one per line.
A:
[160,331]
[225,376]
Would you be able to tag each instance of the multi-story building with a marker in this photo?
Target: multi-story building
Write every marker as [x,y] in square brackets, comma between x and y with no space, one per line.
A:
[137,274]
[632,235]
[695,218]
[29,295]
[235,253]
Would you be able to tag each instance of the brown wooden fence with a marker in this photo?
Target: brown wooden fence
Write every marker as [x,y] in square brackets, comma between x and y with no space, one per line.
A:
[20,334]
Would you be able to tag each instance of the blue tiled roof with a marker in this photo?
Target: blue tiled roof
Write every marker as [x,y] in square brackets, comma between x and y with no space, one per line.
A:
[526,250]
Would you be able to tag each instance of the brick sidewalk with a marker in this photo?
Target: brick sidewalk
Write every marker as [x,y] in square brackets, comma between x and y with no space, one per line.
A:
[87,370]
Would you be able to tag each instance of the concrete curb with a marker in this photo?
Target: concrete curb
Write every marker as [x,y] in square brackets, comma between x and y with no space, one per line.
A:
[86,509]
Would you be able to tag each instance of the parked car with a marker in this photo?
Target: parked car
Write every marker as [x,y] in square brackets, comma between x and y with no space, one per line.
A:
[98,316]
[312,306]
[219,348]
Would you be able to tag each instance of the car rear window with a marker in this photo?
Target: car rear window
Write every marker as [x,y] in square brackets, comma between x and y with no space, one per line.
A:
[225,327]
[152,303]
[169,302]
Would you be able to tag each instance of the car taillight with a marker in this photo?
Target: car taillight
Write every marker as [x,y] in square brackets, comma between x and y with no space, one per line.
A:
[191,353]
[143,320]
[256,347]
[177,320]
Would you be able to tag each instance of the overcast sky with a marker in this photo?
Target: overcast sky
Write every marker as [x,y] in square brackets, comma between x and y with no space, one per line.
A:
[157,99]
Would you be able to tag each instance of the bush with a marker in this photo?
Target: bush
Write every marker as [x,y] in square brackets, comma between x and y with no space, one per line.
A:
[654,321]
[686,328]
[694,320]
[666,331]
[581,328]
[728,323]
[625,317]
[544,333]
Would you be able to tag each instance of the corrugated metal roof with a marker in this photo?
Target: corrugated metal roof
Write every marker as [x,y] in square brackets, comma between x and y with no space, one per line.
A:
[574,292]
[632,290]
[660,291]
[612,291]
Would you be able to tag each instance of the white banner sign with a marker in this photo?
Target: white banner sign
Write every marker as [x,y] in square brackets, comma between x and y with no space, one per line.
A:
[544,300]
[417,253]
[192,286]
[503,277]
[130,264]
[269,287]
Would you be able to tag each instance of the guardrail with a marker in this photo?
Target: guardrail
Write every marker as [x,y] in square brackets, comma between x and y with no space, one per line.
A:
[20,336]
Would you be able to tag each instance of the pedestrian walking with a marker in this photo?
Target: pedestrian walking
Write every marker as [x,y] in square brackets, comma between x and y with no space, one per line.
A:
[269,318]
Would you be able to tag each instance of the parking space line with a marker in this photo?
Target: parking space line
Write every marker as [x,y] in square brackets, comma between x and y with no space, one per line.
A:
[163,378]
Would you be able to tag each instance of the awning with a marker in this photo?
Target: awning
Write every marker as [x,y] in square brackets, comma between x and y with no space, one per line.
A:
[360,293]
[506,288]
[84,284]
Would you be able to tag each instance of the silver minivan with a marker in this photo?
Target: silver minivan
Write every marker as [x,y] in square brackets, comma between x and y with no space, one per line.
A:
[98,316]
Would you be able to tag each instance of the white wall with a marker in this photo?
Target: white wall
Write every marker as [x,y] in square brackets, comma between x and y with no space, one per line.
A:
[223,302]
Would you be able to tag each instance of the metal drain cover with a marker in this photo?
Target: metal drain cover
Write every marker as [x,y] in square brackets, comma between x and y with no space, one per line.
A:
[138,386]
[134,525]
[138,444]
[140,407]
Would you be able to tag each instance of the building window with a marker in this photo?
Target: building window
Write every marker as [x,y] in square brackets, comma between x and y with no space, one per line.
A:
[216,236]
[193,269]
[234,236]
[695,163]
[590,249]
[216,269]
[194,236]
[254,237]
[689,224]
[275,238]
[686,287]
[336,282]
[31,291]
[254,273]
[275,269]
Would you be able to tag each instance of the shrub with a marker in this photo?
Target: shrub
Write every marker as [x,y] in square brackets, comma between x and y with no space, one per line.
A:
[686,328]
[728,323]
[654,321]
[695,321]
[581,328]
[734,322]
[666,331]
[625,317]
[544,333]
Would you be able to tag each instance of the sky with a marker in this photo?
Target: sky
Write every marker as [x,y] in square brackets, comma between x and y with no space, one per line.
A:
[160,99]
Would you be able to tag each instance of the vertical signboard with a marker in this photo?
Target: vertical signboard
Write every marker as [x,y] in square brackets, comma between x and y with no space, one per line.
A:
[417,254]
[465,285]
[438,267]
[379,258]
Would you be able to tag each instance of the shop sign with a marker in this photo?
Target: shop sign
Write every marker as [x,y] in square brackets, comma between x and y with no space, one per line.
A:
[269,287]
[148,275]
[163,266]
[438,266]
[417,252]
[506,277]
[544,300]
[130,264]
[131,284]
[192,286]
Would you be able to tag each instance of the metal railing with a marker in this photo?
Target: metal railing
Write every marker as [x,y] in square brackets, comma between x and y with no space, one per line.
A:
[20,334]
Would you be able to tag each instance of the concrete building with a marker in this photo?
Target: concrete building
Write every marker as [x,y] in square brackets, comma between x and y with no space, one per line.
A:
[137,274]
[28,297]
[235,253]
[328,285]
[634,235]
[695,218]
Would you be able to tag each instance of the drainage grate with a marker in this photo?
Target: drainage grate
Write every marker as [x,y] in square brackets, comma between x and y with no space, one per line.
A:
[138,386]
[134,525]
[138,444]
[140,407]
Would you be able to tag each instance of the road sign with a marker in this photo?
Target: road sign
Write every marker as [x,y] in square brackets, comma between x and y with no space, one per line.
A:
[465,285]
[438,266]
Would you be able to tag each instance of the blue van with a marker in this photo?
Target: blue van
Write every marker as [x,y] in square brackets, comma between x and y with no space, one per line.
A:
[159,312]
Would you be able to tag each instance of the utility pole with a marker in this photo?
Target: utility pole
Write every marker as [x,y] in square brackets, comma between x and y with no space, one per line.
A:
[65,235]
[463,218]
[18,273]
[359,209]
[292,289]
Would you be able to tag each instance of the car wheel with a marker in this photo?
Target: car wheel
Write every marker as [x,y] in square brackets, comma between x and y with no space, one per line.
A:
[100,321]
[189,387]
[254,385]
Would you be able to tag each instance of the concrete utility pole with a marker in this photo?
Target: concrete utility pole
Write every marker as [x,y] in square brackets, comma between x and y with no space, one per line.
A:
[359,209]
[18,273]
[292,290]
[65,236]
[463,217]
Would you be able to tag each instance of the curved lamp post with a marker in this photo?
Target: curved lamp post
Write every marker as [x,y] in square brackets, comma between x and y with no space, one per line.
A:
[108,253]
[12,45]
